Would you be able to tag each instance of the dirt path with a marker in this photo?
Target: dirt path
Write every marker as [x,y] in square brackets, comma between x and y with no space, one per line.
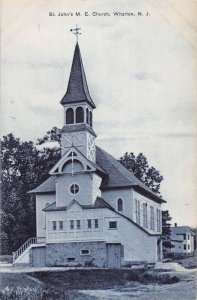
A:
[183,290]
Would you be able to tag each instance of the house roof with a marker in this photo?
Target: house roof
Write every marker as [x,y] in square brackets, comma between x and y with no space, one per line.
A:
[180,230]
[117,176]
[77,90]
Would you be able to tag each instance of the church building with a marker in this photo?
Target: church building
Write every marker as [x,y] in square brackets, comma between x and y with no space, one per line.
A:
[91,211]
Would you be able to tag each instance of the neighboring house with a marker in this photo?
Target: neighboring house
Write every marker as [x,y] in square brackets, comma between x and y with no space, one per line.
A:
[91,210]
[182,238]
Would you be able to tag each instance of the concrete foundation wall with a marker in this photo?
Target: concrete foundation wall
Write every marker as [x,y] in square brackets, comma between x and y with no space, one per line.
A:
[70,254]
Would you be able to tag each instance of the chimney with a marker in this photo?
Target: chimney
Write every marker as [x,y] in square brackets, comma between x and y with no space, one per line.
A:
[175,224]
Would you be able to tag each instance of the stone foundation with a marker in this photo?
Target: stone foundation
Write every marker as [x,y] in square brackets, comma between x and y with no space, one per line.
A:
[87,254]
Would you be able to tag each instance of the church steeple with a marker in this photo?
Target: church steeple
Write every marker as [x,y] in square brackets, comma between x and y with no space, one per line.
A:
[78,112]
[77,90]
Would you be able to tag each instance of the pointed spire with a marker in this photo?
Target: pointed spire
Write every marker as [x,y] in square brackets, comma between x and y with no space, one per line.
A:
[77,90]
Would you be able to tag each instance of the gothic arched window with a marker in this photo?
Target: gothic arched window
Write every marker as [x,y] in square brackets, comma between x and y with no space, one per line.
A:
[90,119]
[79,115]
[87,116]
[120,204]
[69,116]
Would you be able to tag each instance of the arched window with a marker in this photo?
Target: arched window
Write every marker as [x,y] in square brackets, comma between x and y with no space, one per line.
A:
[69,116]
[120,204]
[90,118]
[79,115]
[72,166]
[87,116]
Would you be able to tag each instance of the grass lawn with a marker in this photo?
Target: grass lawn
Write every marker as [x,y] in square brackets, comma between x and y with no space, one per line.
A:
[16,280]
[188,262]
[6,258]
[71,284]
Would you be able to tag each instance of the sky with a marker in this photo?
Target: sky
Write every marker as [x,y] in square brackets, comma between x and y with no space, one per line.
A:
[141,73]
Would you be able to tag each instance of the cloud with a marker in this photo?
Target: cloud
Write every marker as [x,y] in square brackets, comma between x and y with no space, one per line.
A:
[142,76]
[178,135]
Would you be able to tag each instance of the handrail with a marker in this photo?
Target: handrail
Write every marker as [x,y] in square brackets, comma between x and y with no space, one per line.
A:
[30,241]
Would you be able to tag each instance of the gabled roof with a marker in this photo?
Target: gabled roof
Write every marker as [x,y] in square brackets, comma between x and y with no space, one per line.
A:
[48,186]
[99,203]
[77,90]
[180,230]
[117,176]
[57,168]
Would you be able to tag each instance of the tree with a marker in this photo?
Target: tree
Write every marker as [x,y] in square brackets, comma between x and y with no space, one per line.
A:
[18,169]
[138,165]
[166,231]
[53,135]
[23,167]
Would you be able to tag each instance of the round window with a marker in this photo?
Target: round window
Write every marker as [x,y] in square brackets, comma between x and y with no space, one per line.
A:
[74,188]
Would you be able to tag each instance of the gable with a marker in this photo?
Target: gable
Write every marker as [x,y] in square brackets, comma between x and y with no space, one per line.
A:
[72,162]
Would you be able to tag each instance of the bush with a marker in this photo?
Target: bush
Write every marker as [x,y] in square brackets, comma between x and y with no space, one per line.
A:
[6,258]
[18,293]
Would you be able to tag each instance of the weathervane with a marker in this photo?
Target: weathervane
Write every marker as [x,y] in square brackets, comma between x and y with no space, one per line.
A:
[76,32]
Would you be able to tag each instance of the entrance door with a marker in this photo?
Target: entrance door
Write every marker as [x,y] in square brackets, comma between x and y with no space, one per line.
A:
[38,257]
[113,255]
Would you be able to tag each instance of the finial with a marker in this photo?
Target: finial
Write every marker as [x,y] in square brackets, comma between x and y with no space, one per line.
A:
[76,32]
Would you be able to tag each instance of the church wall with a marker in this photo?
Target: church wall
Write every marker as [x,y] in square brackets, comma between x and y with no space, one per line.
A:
[96,181]
[88,188]
[138,245]
[143,199]
[63,194]
[75,213]
[111,196]
[41,202]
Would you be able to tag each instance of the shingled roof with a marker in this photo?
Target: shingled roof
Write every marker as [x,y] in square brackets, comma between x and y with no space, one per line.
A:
[77,90]
[180,230]
[48,186]
[117,176]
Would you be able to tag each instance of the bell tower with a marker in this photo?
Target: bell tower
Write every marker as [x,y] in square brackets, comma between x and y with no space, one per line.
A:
[78,112]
